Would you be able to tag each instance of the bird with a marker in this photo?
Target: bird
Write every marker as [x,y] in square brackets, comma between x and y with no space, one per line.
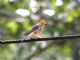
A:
[36,30]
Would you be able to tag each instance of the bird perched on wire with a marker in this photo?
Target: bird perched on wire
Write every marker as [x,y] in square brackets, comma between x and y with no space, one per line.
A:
[36,30]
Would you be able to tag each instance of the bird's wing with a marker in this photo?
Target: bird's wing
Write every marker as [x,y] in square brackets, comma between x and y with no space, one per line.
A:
[32,30]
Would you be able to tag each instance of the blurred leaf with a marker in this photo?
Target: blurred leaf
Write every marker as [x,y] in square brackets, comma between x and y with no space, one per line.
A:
[12,26]
[72,14]
[26,24]
[66,49]
[69,18]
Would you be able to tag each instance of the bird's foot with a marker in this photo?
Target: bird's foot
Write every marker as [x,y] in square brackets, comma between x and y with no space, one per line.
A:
[36,37]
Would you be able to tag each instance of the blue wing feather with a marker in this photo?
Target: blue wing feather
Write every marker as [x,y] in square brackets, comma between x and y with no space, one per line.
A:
[33,29]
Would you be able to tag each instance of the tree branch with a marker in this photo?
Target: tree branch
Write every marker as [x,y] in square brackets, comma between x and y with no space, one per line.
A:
[40,39]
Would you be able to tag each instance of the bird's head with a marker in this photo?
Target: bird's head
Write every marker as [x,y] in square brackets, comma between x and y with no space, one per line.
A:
[43,22]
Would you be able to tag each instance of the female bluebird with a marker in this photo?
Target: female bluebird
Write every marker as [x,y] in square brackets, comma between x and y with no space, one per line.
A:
[36,30]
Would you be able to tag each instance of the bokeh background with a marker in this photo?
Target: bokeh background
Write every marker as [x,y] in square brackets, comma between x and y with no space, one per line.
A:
[18,16]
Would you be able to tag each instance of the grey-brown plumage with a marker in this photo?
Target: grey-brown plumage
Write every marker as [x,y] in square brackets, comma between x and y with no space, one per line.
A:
[32,30]
[36,30]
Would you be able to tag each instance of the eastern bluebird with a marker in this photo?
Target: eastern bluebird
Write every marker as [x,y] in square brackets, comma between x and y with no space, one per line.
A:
[36,30]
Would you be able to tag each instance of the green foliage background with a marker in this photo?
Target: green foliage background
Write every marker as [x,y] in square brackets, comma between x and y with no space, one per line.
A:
[65,21]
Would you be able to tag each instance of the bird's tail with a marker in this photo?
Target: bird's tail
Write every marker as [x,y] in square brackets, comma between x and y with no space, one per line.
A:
[26,35]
